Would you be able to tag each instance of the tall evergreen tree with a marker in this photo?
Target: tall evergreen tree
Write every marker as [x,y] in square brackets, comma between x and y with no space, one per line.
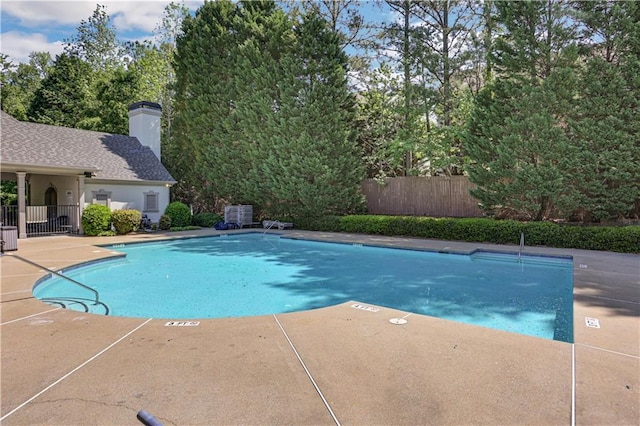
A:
[113,96]
[272,126]
[19,83]
[62,97]
[516,137]
[603,124]
[314,167]
[204,64]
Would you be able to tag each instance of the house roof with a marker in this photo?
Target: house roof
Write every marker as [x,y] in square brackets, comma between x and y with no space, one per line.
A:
[108,156]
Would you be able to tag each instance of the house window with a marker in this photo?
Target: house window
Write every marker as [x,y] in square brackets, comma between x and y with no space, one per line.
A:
[101,197]
[151,201]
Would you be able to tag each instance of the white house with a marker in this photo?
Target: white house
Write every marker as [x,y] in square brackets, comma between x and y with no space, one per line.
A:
[61,170]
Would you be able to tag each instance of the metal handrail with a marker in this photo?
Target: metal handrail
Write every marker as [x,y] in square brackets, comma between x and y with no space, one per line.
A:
[273,222]
[94,291]
[521,245]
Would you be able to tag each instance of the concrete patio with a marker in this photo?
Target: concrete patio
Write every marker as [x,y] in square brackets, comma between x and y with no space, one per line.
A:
[336,365]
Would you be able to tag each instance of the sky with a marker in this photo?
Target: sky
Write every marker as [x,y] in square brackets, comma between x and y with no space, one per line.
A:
[27,26]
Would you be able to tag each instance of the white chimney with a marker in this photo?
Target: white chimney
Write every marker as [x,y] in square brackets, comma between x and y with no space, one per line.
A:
[144,124]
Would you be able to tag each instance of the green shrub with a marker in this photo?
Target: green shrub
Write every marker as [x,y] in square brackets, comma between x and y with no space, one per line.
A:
[179,213]
[206,220]
[125,221]
[165,223]
[96,218]
[624,239]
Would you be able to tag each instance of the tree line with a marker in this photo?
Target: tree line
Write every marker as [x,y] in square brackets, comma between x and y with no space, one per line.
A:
[288,105]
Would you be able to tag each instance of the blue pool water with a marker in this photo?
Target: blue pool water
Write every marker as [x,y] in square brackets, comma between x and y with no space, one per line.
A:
[252,274]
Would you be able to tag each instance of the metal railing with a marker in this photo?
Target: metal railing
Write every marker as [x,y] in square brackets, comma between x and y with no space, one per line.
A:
[43,220]
[58,274]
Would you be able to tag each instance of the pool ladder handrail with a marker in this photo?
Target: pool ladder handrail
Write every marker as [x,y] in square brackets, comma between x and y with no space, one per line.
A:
[273,222]
[94,291]
[521,245]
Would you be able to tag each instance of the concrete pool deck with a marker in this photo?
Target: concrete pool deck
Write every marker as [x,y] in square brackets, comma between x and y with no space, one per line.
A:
[336,365]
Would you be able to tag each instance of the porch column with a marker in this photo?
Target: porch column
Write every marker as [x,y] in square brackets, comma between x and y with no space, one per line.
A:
[80,203]
[22,202]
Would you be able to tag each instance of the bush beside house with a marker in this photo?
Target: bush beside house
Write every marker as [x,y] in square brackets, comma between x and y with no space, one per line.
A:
[165,223]
[96,219]
[125,221]
[179,213]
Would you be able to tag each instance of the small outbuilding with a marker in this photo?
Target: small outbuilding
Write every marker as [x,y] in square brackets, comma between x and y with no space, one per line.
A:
[60,170]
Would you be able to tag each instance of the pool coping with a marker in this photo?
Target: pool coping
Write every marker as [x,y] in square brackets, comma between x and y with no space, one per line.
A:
[505,378]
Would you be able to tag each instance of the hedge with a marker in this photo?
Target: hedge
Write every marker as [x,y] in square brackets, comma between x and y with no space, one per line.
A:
[206,220]
[623,239]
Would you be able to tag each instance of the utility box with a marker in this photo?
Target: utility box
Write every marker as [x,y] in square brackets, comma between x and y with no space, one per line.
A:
[8,238]
[242,215]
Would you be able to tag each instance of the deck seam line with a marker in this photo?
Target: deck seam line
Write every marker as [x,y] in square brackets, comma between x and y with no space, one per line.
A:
[74,370]
[30,316]
[610,351]
[315,385]
[573,384]
[608,298]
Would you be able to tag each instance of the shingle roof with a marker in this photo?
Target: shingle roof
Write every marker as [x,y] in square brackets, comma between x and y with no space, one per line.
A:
[117,157]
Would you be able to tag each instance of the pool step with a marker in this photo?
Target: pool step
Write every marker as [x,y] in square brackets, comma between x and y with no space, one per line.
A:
[78,304]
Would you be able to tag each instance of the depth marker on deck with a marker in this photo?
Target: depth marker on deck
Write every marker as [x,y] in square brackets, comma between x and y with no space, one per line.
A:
[592,322]
[364,307]
[182,324]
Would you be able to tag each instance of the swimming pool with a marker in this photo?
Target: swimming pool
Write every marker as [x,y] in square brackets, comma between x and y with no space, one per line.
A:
[254,274]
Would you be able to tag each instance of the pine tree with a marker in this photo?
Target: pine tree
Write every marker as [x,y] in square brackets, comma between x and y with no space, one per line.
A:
[204,63]
[516,138]
[19,83]
[62,97]
[265,110]
[314,167]
[604,127]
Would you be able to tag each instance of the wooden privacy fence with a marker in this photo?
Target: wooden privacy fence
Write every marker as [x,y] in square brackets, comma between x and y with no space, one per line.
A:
[422,196]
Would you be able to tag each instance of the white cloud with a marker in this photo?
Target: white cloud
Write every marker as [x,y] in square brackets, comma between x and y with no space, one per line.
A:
[19,45]
[42,25]
[139,15]
[36,13]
